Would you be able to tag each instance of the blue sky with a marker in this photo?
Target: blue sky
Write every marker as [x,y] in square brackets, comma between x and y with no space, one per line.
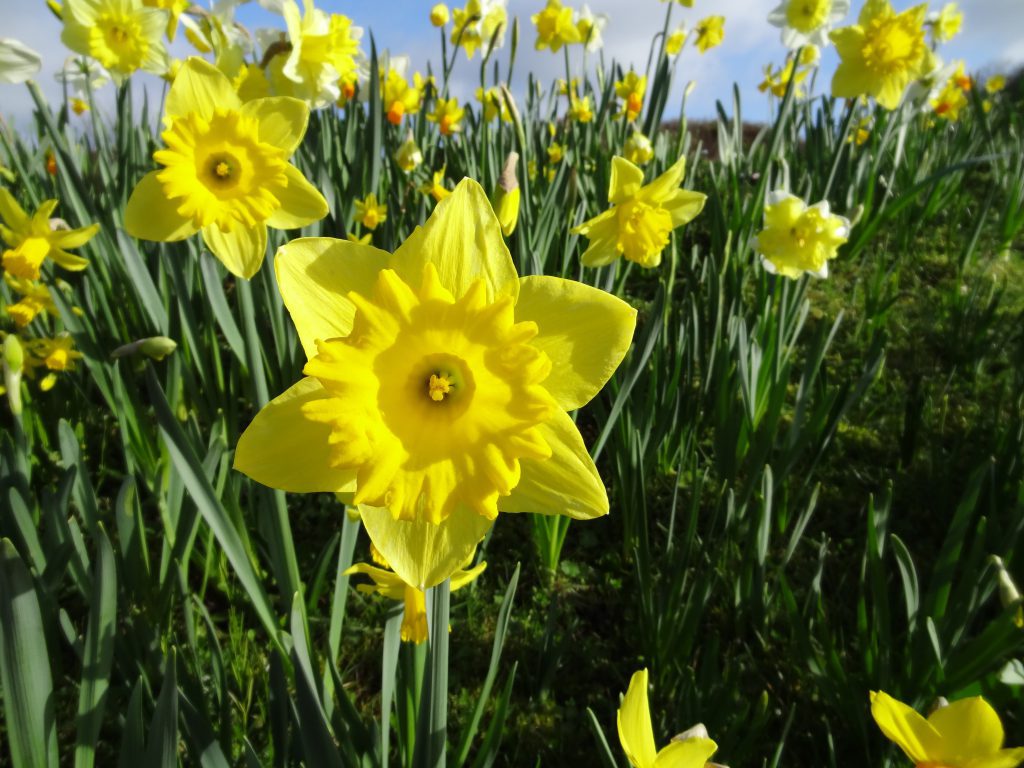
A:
[992,40]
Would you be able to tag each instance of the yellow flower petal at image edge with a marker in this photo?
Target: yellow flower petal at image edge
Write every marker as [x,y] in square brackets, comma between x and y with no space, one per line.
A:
[637,735]
[964,734]
[882,53]
[641,218]
[390,585]
[438,385]
[226,171]
[32,239]
[122,35]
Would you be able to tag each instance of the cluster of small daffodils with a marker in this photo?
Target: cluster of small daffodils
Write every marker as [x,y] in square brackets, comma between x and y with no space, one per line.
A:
[35,346]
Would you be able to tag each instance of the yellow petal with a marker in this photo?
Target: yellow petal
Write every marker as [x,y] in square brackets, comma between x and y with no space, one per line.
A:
[634,721]
[68,260]
[462,578]
[283,449]
[691,753]
[663,187]
[626,180]
[73,238]
[912,733]
[149,215]
[462,238]
[282,120]
[684,206]
[425,554]
[1004,758]
[566,484]
[241,250]
[969,728]
[387,583]
[12,214]
[315,275]
[202,88]
[301,202]
[584,331]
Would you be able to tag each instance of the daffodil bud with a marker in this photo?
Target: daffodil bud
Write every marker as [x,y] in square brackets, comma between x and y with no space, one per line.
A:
[506,197]
[14,361]
[696,732]
[154,347]
[1009,595]
[409,156]
[439,15]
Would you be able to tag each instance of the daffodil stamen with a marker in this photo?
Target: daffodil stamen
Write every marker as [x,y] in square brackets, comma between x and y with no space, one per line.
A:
[439,387]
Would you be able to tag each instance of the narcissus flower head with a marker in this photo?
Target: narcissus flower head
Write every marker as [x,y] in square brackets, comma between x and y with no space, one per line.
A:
[435,187]
[945,24]
[226,171]
[797,238]
[964,734]
[439,15]
[580,109]
[479,25]
[676,40]
[437,386]
[409,156]
[33,239]
[448,116]
[555,27]
[122,35]
[370,213]
[398,97]
[591,26]
[641,218]
[35,298]
[389,584]
[638,149]
[631,89]
[636,734]
[882,53]
[806,22]
[710,33]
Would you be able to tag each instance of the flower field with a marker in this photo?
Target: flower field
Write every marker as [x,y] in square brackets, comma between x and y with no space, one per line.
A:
[352,420]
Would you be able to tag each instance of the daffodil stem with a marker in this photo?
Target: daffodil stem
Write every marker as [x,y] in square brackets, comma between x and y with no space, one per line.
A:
[844,133]
[432,725]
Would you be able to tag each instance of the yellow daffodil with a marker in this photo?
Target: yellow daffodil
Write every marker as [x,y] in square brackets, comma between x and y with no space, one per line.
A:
[389,584]
[56,354]
[555,27]
[555,152]
[945,24]
[636,734]
[448,116]
[18,62]
[776,81]
[1009,595]
[676,40]
[398,97]
[437,386]
[409,156]
[806,22]
[881,54]
[479,25]
[631,90]
[590,27]
[226,171]
[710,33]
[964,734]
[439,15]
[949,101]
[641,218]
[638,149]
[364,240]
[369,213]
[797,238]
[35,298]
[995,84]
[323,52]
[436,188]
[33,239]
[580,109]
[122,35]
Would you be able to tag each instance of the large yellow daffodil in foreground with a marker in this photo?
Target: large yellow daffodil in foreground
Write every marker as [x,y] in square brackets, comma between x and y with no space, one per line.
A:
[964,734]
[226,171]
[437,386]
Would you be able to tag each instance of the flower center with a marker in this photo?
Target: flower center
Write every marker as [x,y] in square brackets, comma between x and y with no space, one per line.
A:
[25,260]
[434,400]
[117,42]
[219,172]
[890,45]
[643,232]
[807,15]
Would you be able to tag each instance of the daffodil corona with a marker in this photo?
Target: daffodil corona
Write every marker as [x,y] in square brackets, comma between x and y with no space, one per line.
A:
[226,171]
[641,219]
[122,35]
[437,386]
